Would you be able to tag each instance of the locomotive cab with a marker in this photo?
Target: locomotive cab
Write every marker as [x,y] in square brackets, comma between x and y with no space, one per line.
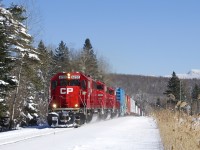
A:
[101,95]
[111,102]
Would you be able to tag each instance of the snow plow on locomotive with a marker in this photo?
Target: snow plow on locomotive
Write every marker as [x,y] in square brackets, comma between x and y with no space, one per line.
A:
[76,98]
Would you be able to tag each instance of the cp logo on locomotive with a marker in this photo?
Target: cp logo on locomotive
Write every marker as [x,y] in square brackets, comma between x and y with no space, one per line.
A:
[66,90]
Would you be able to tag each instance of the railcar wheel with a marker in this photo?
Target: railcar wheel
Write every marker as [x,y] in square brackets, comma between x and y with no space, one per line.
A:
[52,119]
[89,118]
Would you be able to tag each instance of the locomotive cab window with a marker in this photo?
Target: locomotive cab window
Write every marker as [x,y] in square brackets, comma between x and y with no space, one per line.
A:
[53,85]
[83,85]
[63,82]
[111,92]
[94,85]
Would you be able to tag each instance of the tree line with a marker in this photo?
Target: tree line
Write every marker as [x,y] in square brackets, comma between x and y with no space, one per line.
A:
[25,70]
[183,97]
[160,92]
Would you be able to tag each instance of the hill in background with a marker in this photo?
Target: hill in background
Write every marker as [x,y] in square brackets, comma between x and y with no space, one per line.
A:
[148,89]
[192,74]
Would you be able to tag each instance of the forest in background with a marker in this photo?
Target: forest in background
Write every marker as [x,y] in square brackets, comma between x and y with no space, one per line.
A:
[149,90]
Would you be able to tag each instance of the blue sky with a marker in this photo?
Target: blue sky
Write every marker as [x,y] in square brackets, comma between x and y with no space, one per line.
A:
[147,37]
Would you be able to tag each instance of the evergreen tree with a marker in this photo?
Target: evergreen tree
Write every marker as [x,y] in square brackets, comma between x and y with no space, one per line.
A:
[21,54]
[195,98]
[175,87]
[30,112]
[44,73]
[18,12]
[3,53]
[3,105]
[89,63]
[44,56]
[195,92]
[62,58]
[2,71]
[5,82]
[41,47]
[19,41]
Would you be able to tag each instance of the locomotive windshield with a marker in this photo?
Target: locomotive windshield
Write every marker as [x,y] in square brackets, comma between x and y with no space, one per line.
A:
[65,82]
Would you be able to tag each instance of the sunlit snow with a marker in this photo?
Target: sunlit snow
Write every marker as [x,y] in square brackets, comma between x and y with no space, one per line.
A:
[3,82]
[34,56]
[124,133]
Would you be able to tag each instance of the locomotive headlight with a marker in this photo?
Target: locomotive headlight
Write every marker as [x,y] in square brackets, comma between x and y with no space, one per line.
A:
[54,105]
[76,105]
[68,75]
[84,93]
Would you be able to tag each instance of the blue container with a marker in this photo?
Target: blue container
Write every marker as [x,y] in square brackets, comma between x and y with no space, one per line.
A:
[120,96]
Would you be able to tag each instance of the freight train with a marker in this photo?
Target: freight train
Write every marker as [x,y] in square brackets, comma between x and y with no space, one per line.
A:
[76,98]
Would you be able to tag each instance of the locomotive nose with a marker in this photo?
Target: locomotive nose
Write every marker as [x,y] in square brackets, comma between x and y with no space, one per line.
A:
[71,97]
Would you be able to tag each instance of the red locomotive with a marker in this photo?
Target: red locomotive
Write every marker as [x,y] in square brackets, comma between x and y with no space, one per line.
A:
[76,98]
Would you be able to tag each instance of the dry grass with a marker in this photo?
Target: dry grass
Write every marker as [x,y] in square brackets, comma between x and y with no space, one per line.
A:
[178,130]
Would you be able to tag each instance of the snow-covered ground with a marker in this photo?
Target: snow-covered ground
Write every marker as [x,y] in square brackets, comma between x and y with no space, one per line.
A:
[124,133]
